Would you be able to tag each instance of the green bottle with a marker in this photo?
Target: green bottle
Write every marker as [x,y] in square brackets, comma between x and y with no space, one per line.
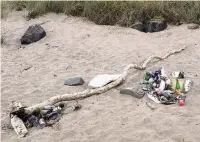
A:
[178,88]
[147,76]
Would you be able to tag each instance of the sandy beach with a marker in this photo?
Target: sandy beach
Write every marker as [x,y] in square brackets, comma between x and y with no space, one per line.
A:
[77,47]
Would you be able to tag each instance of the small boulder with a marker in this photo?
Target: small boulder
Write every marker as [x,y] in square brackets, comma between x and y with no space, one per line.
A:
[193,26]
[138,26]
[155,26]
[137,93]
[74,81]
[33,34]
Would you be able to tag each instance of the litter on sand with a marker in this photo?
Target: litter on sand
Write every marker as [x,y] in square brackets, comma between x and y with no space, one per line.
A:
[161,89]
[102,80]
[47,116]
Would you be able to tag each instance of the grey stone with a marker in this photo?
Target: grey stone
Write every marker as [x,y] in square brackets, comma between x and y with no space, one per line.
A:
[137,93]
[74,81]
[155,26]
[34,33]
[193,26]
[138,26]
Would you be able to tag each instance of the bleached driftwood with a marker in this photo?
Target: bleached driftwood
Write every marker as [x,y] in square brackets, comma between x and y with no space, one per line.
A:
[90,92]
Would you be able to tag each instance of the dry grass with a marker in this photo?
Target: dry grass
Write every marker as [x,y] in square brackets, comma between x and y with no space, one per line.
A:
[113,12]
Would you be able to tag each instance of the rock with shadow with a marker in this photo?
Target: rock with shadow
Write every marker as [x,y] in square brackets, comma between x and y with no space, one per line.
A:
[150,26]
[33,34]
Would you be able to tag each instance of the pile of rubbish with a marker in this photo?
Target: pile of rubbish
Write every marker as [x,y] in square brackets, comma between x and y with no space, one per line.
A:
[47,116]
[161,89]
[156,85]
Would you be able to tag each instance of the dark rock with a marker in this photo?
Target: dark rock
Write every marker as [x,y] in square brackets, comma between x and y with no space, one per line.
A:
[193,26]
[155,26]
[33,34]
[138,26]
[137,93]
[74,81]
[150,26]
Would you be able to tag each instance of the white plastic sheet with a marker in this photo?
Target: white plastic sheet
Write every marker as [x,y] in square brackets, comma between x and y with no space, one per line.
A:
[102,80]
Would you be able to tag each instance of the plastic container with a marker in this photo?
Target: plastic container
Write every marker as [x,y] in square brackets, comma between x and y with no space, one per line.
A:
[147,76]
[178,85]
[18,126]
[187,85]
[181,100]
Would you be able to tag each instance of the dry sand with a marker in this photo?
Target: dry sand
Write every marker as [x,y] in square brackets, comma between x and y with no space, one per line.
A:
[76,47]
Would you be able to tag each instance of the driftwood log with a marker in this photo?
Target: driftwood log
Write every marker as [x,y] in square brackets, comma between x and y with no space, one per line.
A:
[90,92]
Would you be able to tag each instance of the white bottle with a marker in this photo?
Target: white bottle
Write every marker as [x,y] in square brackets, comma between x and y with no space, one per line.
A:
[163,74]
[187,85]
[162,85]
[18,126]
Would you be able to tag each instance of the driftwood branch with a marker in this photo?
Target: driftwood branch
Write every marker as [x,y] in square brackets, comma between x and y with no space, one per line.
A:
[90,92]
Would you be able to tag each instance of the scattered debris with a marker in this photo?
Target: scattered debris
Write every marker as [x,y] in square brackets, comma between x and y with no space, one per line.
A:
[33,34]
[47,116]
[102,80]
[160,89]
[193,26]
[74,81]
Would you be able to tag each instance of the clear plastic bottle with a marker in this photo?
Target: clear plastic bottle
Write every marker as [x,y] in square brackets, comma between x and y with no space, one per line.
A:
[18,126]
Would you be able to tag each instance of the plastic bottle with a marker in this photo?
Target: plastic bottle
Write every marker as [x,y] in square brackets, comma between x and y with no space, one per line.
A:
[162,85]
[147,76]
[187,85]
[181,100]
[178,88]
[18,126]
[163,74]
